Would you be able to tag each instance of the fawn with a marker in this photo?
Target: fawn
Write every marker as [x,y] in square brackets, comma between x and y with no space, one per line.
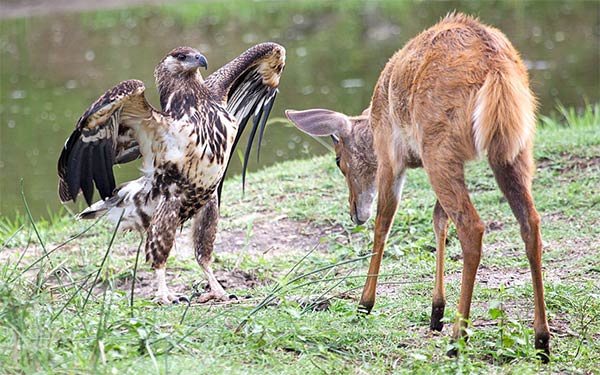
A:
[456,91]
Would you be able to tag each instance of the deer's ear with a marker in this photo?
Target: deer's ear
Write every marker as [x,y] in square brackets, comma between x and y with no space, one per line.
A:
[320,122]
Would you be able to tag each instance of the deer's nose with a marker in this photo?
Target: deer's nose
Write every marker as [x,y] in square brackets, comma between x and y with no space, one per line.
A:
[356,220]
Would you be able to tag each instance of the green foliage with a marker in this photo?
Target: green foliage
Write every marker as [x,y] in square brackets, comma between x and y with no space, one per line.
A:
[588,116]
[512,334]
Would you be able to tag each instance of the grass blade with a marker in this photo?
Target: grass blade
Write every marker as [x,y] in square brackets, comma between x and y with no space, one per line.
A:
[135,267]
[114,234]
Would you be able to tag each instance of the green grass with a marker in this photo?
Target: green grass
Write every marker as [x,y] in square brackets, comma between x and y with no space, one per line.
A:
[52,322]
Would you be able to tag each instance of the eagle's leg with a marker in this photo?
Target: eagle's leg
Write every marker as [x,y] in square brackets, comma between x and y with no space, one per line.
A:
[161,236]
[204,234]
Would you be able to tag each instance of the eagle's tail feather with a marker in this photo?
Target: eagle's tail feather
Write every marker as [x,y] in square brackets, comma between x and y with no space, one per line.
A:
[130,205]
[100,208]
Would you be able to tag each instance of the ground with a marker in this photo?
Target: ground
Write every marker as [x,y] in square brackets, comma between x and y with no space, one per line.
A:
[290,253]
[270,238]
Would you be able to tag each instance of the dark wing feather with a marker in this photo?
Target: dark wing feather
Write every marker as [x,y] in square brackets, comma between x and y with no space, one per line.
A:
[247,86]
[103,137]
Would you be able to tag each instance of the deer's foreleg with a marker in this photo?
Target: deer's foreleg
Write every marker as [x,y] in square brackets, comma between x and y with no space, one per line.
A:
[390,189]
[440,227]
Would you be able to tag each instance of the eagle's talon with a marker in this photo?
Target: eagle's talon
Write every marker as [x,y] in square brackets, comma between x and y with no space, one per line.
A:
[196,286]
[161,300]
[170,299]
[216,296]
[183,299]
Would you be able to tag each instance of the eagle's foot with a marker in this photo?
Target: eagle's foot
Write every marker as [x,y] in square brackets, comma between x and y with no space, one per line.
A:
[217,296]
[170,298]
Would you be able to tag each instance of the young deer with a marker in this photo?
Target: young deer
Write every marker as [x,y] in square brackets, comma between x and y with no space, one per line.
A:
[453,93]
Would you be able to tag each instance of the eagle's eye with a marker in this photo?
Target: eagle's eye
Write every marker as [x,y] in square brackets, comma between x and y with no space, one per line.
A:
[180,57]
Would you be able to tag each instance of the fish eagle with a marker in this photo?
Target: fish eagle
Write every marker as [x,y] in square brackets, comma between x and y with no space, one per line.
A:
[185,148]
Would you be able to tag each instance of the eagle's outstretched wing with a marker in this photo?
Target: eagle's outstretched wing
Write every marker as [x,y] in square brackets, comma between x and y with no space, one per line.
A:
[104,136]
[247,87]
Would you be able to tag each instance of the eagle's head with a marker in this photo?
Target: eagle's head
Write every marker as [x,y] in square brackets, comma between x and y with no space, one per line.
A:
[180,62]
[183,61]
[178,73]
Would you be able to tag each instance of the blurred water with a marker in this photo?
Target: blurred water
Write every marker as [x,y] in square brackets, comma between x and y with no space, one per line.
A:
[52,67]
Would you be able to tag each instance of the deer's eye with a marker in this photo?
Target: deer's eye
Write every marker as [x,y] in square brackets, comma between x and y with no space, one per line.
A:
[337,160]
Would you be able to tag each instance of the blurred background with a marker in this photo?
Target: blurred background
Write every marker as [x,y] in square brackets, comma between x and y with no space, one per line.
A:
[57,56]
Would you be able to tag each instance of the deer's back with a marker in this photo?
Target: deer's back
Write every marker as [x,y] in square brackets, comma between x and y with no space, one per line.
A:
[427,90]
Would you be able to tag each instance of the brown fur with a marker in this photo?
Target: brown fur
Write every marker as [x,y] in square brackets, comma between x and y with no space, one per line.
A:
[455,91]
[353,164]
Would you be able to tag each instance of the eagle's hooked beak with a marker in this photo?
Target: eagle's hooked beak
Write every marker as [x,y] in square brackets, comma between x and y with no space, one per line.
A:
[201,61]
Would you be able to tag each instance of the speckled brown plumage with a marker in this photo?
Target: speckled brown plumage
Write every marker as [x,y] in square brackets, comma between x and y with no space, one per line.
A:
[185,148]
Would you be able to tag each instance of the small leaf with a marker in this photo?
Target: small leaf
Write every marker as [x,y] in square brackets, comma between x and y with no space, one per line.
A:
[507,342]
[495,313]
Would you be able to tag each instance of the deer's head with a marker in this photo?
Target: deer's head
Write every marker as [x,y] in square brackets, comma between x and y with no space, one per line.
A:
[354,154]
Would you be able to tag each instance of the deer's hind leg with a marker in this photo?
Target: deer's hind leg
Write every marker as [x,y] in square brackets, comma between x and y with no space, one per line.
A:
[447,179]
[514,179]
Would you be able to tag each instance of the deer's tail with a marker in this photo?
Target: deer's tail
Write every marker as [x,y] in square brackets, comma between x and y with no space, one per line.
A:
[504,117]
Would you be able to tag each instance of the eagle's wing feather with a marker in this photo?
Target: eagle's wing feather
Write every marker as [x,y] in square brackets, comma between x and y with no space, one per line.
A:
[104,136]
[247,86]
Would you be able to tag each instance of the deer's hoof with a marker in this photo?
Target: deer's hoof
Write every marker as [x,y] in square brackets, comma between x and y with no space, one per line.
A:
[542,344]
[437,313]
[452,353]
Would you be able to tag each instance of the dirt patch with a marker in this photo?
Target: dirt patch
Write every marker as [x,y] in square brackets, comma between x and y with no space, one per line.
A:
[494,225]
[274,237]
[566,163]
[270,237]
[145,287]
[237,279]
[267,237]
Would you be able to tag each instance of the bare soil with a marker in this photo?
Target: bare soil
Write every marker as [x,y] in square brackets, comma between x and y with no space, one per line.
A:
[567,162]
[268,238]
